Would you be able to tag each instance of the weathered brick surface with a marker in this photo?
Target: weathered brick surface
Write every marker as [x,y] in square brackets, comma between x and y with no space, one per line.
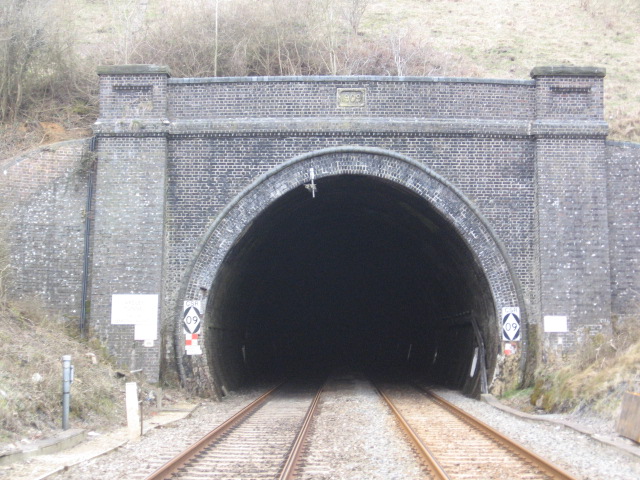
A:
[43,195]
[317,97]
[529,157]
[133,93]
[571,206]
[129,229]
[623,200]
[351,161]
[494,173]
[573,233]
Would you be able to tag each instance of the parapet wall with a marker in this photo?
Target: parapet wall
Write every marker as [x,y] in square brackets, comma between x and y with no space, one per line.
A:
[340,97]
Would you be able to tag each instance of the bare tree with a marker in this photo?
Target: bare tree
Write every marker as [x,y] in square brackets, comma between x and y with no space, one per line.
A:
[21,39]
[353,11]
[127,20]
[36,56]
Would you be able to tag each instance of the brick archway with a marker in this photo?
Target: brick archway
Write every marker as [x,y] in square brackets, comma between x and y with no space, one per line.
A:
[235,220]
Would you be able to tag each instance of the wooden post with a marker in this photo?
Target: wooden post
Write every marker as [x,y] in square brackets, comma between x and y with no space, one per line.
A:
[629,421]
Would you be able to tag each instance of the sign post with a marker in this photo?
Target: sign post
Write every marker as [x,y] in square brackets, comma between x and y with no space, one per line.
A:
[67,380]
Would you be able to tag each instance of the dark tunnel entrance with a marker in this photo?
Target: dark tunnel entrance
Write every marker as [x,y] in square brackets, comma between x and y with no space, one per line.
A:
[366,275]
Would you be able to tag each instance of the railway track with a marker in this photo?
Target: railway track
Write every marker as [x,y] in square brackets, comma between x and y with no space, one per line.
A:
[268,439]
[262,441]
[456,445]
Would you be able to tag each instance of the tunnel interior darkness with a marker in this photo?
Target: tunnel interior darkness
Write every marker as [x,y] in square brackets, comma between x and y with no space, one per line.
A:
[366,275]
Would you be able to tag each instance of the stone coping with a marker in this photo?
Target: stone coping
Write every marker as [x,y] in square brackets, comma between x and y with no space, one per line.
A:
[623,144]
[134,70]
[141,69]
[355,125]
[58,442]
[347,78]
[568,71]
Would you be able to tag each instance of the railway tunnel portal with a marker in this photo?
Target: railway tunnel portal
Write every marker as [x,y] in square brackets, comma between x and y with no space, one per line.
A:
[351,257]
[381,221]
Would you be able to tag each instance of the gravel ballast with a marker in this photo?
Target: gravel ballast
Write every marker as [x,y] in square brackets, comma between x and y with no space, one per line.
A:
[353,446]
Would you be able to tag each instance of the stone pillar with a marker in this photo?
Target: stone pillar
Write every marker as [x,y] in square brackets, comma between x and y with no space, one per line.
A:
[571,188]
[130,194]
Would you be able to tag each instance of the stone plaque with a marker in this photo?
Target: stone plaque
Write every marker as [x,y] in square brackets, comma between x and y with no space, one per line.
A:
[351,97]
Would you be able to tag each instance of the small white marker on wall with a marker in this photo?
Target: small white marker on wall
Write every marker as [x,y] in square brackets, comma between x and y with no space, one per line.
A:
[312,186]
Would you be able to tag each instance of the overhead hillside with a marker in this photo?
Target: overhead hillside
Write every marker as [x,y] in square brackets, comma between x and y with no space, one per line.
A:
[506,39]
[49,50]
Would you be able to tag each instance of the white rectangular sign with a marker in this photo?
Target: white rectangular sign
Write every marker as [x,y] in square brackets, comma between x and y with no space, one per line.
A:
[193,350]
[140,310]
[146,331]
[555,323]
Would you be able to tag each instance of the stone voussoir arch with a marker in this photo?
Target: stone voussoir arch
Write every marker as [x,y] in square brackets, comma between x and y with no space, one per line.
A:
[236,218]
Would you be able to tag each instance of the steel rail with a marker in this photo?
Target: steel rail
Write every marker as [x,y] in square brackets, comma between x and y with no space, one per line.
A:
[423,449]
[296,451]
[178,461]
[512,445]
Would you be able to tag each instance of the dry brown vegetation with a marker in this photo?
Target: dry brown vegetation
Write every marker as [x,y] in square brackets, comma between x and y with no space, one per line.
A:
[32,343]
[31,348]
[593,379]
[49,49]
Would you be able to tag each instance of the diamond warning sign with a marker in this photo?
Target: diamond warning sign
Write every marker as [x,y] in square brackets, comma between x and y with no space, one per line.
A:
[192,318]
[511,324]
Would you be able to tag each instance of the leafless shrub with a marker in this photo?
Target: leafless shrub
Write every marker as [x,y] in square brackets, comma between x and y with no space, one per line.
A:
[584,4]
[399,53]
[283,37]
[182,39]
[30,376]
[126,18]
[38,66]
[353,10]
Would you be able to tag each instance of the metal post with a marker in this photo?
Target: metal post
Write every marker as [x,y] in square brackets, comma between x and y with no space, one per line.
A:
[67,379]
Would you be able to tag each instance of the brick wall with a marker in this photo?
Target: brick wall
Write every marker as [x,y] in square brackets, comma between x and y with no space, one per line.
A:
[571,191]
[369,161]
[382,97]
[623,200]
[529,155]
[207,172]
[128,239]
[43,195]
